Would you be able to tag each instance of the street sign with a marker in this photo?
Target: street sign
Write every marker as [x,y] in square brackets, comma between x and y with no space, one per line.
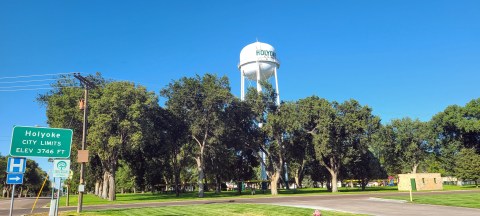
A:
[14,178]
[41,142]
[61,168]
[16,165]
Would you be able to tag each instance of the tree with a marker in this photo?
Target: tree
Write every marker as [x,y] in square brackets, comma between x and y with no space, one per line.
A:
[33,178]
[339,133]
[200,102]
[468,165]
[280,128]
[455,128]
[125,179]
[120,122]
[365,168]
[62,111]
[406,143]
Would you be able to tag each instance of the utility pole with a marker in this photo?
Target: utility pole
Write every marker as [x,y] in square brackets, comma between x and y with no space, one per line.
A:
[87,84]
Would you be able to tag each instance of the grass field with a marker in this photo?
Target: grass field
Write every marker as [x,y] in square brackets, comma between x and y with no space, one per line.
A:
[169,197]
[470,200]
[209,210]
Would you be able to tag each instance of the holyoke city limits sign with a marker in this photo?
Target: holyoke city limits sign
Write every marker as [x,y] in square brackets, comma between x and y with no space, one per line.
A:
[41,142]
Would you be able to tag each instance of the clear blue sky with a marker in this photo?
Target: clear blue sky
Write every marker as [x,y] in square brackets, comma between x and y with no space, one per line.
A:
[402,58]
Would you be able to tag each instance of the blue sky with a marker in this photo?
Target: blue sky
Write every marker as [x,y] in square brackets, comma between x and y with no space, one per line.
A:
[402,58]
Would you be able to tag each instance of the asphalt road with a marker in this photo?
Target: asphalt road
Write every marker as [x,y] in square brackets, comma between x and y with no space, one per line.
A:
[354,203]
[23,206]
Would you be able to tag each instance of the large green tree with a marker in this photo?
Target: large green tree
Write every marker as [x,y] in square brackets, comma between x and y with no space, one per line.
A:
[406,144]
[340,133]
[62,111]
[120,122]
[468,165]
[200,102]
[455,128]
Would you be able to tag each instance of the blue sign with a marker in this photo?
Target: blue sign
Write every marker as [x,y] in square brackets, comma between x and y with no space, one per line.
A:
[16,165]
[14,178]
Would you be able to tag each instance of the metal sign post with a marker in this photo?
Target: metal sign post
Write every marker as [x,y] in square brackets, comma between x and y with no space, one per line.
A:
[58,196]
[11,202]
[15,169]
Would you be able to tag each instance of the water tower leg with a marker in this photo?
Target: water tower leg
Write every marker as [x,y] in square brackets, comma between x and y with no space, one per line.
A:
[276,86]
[242,86]
[259,87]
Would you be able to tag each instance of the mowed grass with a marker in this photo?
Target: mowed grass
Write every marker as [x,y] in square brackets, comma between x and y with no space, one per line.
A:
[470,200]
[209,210]
[89,199]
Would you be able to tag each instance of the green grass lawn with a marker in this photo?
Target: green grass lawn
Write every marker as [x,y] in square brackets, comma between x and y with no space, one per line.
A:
[89,199]
[209,210]
[471,200]
[455,187]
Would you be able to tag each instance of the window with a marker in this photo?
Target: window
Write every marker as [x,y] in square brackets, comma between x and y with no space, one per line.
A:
[423,180]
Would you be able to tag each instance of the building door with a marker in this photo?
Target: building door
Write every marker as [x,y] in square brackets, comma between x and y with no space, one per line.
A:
[413,184]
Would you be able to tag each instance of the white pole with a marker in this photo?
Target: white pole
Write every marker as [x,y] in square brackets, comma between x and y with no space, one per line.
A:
[58,196]
[411,197]
[11,202]
[276,87]
[242,94]
[259,87]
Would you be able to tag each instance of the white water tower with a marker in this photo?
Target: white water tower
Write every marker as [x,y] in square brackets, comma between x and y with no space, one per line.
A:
[258,62]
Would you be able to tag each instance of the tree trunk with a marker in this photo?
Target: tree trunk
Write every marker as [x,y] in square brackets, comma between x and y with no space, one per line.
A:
[414,169]
[106,174]
[218,183]
[20,192]
[111,189]
[177,182]
[100,188]
[274,184]
[97,187]
[201,176]
[334,175]
[299,175]
[329,184]
[364,183]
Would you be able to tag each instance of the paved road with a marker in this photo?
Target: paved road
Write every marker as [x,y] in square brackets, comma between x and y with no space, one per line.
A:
[355,203]
[22,205]
[376,206]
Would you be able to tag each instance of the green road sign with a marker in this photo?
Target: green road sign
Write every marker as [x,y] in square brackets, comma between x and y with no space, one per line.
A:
[41,142]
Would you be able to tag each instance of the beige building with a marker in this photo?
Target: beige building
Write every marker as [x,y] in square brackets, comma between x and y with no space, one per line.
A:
[420,181]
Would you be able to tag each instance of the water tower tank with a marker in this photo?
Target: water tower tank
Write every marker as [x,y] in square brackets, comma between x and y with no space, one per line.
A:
[260,57]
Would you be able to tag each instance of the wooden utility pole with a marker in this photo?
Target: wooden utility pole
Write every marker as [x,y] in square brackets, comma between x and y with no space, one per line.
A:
[87,84]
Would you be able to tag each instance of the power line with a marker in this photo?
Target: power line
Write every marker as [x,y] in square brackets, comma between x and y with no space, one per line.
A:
[27,81]
[36,75]
[1,87]
[28,89]
[25,86]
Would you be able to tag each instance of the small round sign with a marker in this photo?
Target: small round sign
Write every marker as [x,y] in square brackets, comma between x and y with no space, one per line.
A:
[62,165]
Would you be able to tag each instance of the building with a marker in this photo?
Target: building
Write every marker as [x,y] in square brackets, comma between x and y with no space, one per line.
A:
[420,181]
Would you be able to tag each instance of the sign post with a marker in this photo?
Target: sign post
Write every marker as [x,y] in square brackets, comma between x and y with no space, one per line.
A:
[15,169]
[11,202]
[41,142]
[37,142]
